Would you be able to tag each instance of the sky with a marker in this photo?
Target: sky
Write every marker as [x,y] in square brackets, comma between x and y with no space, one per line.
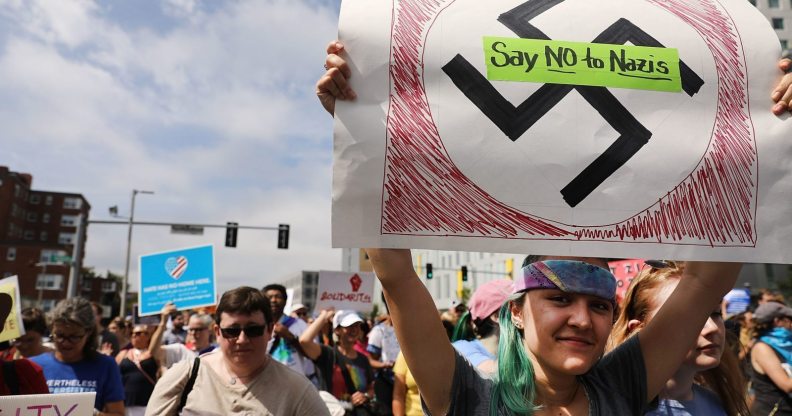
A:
[210,104]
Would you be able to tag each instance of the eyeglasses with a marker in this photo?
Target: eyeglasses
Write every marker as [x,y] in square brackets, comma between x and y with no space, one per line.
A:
[253,331]
[73,339]
[196,330]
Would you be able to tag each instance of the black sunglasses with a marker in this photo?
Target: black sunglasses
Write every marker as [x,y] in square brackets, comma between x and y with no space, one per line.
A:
[253,331]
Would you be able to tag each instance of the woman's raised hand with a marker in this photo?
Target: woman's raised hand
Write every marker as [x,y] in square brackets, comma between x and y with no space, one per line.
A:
[782,94]
[333,84]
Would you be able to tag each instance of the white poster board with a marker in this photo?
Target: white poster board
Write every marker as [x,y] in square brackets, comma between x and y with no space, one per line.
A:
[433,154]
[68,404]
[345,290]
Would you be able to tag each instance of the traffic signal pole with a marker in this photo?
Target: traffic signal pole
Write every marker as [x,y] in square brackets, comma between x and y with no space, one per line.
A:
[283,239]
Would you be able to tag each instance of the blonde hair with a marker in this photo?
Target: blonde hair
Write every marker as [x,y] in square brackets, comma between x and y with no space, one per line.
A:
[725,380]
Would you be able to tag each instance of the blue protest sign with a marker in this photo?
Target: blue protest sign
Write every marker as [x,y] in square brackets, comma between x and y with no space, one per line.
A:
[185,277]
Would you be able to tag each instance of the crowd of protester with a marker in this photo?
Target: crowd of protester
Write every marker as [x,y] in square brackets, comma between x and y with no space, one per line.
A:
[250,356]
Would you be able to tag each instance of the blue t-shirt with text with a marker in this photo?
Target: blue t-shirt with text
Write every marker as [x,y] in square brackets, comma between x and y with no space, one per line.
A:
[98,373]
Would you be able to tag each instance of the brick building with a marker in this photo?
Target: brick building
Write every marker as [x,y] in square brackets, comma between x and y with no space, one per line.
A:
[38,237]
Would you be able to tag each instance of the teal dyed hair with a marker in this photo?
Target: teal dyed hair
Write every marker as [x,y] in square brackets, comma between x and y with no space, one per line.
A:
[515,387]
[463,329]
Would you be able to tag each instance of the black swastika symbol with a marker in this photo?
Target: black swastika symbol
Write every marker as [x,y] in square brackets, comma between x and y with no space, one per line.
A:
[515,121]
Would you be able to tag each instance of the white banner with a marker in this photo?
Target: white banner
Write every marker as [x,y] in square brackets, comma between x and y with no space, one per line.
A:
[345,290]
[434,154]
[70,404]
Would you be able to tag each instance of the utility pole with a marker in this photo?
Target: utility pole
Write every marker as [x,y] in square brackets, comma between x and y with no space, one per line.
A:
[125,282]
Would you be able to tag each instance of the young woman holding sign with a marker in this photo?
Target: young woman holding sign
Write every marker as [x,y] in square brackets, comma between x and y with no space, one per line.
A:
[553,328]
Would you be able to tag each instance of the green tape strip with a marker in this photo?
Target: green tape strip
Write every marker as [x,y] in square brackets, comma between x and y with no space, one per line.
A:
[580,63]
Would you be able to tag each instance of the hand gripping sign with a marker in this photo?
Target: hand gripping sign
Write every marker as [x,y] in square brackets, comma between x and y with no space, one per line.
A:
[604,128]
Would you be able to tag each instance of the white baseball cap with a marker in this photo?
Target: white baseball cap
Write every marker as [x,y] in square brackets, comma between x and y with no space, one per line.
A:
[346,318]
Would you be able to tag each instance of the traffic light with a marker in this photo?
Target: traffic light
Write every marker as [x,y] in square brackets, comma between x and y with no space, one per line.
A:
[231,234]
[429,273]
[464,273]
[283,236]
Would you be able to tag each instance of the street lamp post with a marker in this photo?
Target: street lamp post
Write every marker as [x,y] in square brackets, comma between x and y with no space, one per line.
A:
[125,283]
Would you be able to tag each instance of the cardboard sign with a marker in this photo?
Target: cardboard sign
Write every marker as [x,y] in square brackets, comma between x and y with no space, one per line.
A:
[437,153]
[12,327]
[67,404]
[344,290]
[185,277]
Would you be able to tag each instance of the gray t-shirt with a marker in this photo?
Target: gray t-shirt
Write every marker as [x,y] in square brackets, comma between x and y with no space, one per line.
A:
[616,385]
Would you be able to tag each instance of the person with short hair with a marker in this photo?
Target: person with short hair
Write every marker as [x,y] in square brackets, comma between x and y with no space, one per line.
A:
[75,366]
[239,377]
[199,333]
[31,343]
[285,345]
[176,334]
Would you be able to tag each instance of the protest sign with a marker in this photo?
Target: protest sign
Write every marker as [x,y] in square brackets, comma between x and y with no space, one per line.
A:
[345,290]
[624,271]
[12,327]
[637,129]
[67,404]
[185,277]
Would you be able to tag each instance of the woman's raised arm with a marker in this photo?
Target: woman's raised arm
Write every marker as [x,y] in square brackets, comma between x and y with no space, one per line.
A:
[421,335]
[667,338]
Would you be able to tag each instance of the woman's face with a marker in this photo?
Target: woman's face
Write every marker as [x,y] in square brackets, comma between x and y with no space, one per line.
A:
[69,341]
[707,351]
[29,344]
[350,334]
[119,332]
[140,337]
[565,332]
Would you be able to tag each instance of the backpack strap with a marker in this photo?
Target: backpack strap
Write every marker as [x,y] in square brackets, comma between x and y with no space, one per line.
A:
[10,377]
[190,383]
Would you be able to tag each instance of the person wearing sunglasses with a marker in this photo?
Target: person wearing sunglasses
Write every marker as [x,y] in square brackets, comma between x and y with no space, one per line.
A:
[140,365]
[75,366]
[345,373]
[239,377]
[200,337]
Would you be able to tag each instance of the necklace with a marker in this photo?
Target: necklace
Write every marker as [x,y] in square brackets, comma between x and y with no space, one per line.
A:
[233,378]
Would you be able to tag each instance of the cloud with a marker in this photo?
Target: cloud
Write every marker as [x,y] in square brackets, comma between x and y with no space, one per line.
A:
[211,105]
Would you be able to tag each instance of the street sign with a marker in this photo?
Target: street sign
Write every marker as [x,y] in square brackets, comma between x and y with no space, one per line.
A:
[187,229]
[60,259]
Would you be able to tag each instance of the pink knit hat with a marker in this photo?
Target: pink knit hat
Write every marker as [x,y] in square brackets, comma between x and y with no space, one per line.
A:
[489,297]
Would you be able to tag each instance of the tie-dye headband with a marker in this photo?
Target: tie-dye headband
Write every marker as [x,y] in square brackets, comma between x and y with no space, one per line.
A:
[569,276]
